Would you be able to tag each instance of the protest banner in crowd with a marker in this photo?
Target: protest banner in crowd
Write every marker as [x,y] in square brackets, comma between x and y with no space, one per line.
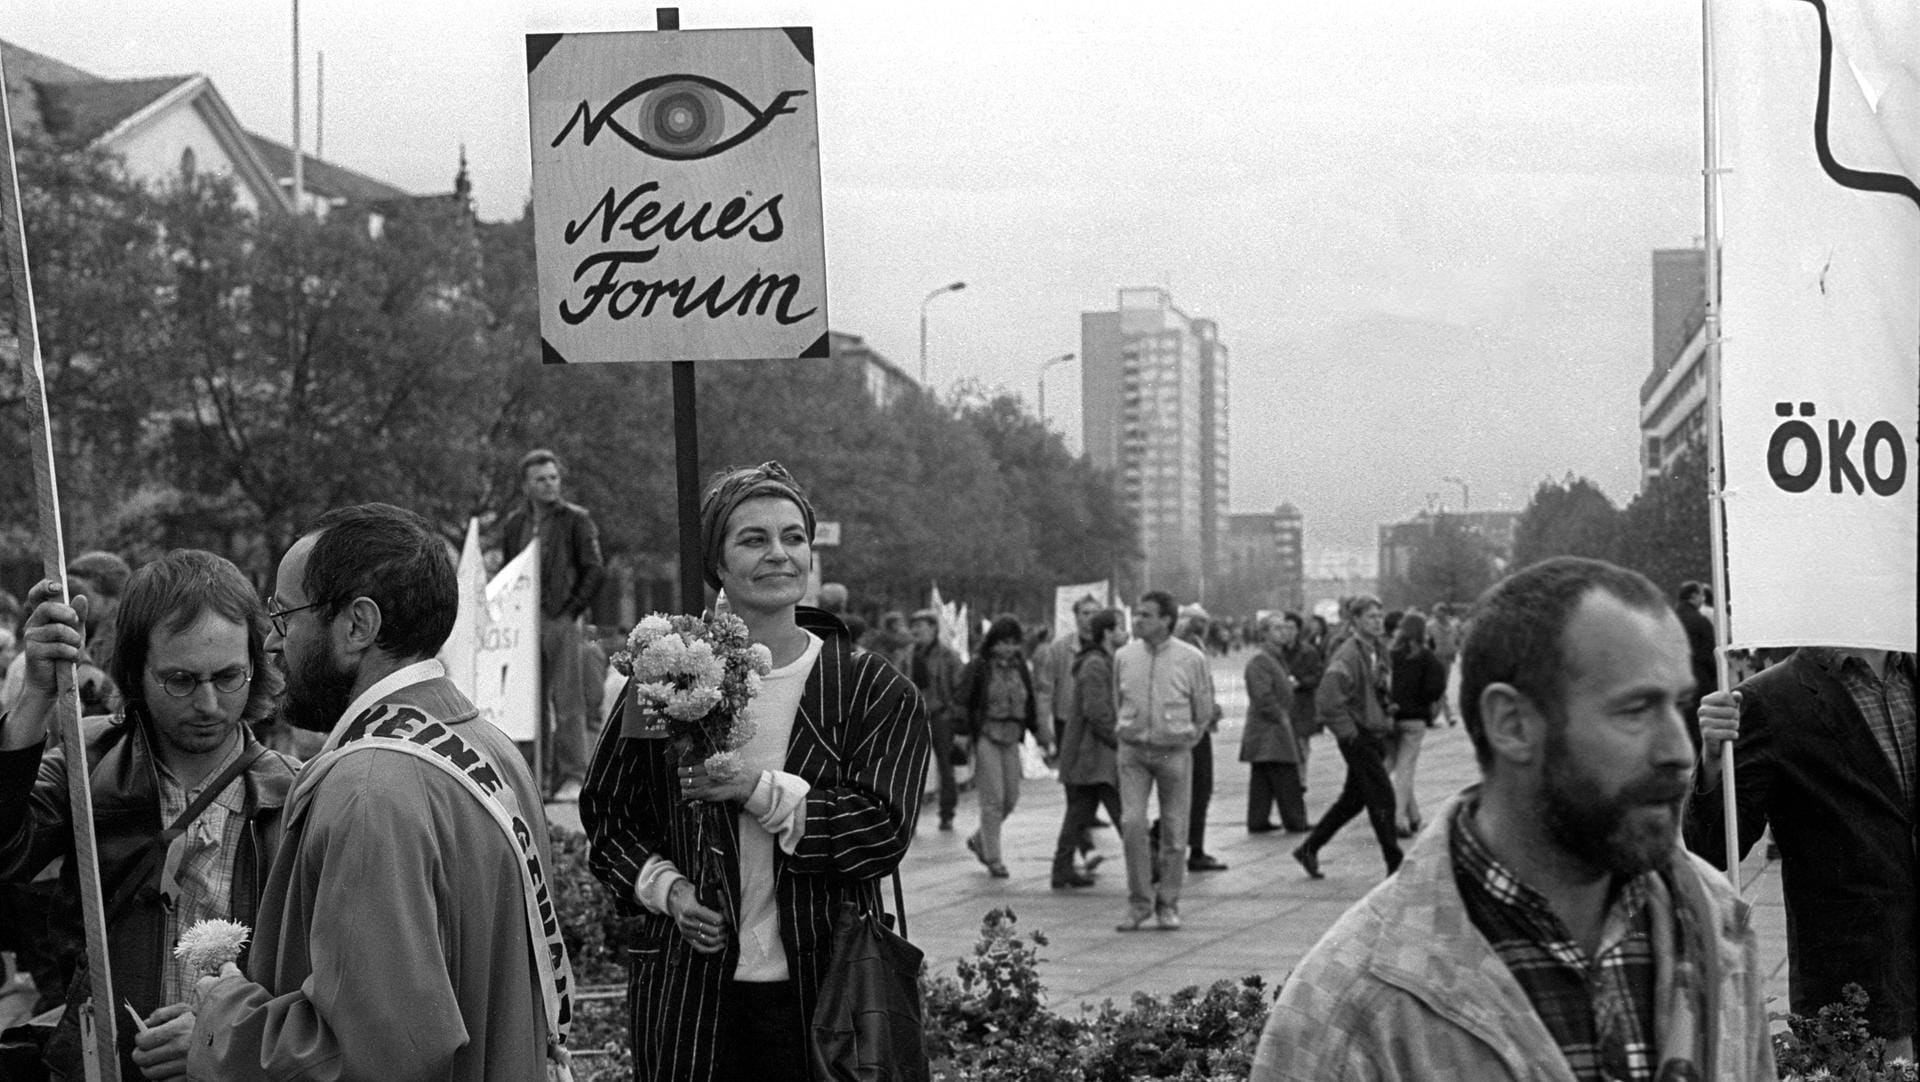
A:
[676,195]
[1820,319]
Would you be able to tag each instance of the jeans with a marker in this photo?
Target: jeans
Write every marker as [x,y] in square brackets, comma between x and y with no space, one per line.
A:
[996,772]
[1143,768]
[1368,788]
[1083,806]
[560,680]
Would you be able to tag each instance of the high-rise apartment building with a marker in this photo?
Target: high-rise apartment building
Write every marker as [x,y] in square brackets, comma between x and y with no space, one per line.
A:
[1154,410]
[1673,397]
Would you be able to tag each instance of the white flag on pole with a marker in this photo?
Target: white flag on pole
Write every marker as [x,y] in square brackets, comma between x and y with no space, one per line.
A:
[507,663]
[1820,317]
[457,654]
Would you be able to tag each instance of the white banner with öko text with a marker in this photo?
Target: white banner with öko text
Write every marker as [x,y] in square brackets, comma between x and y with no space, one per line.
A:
[1820,279]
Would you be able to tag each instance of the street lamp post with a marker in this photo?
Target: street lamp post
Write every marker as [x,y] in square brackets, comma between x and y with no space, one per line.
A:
[1466,502]
[1044,365]
[951,287]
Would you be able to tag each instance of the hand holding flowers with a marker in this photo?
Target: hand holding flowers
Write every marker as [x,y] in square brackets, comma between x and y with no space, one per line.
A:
[692,680]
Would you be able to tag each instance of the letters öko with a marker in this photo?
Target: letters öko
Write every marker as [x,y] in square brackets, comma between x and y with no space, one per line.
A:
[1881,444]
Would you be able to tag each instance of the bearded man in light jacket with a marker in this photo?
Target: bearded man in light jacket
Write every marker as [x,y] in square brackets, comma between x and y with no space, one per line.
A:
[1553,928]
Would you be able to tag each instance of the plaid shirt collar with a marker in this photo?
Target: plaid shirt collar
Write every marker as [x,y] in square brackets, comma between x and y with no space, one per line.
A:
[1526,907]
[1599,1007]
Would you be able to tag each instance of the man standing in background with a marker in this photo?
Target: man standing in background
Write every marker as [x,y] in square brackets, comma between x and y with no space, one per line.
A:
[571,571]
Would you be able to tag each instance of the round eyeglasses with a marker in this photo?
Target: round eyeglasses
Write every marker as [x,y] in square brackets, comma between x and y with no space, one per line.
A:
[182,684]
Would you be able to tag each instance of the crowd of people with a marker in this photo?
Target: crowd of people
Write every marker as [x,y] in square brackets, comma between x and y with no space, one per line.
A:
[301,764]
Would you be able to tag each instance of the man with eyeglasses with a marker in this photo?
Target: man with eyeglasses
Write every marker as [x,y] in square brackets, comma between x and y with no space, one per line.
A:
[407,931]
[187,804]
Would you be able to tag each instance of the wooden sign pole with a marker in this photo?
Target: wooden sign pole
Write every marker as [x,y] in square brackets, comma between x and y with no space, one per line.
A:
[99,1044]
[686,446]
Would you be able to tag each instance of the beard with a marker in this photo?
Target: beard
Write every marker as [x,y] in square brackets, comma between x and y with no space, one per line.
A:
[319,690]
[1630,832]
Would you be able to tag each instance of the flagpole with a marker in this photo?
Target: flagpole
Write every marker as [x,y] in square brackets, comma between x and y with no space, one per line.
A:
[1716,474]
[99,1047]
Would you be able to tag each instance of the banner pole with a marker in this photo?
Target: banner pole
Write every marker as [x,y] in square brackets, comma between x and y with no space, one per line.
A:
[686,446]
[99,1043]
[1716,473]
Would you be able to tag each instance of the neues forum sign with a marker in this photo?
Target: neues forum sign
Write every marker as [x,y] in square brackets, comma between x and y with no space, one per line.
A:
[676,195]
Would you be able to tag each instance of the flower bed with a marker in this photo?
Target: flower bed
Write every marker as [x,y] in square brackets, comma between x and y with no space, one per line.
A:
[991,1021]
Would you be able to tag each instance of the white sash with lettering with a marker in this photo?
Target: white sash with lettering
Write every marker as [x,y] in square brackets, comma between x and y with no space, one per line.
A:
[399,727]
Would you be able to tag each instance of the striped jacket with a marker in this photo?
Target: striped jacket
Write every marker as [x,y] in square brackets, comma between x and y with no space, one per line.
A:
[860,740]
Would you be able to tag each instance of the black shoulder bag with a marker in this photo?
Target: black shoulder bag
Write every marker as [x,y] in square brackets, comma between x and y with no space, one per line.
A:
[867,1023]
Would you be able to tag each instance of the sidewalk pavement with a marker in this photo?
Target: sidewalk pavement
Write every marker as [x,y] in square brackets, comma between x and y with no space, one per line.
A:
[1258,917]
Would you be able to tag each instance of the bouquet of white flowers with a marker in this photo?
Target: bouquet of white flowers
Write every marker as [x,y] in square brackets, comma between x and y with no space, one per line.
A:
[692,680]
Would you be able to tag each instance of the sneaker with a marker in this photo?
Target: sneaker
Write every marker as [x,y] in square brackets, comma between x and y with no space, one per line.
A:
[997,869]
[1072,880]
[568,793]
[1135,922]
[1167,919]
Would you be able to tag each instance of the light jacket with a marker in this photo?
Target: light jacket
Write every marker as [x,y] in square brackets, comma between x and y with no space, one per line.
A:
[1347,702]
[1165,695]
[391,941]
[1403,986]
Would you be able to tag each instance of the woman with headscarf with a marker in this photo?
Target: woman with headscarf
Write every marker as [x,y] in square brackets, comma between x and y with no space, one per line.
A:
[996,690]
[725,975]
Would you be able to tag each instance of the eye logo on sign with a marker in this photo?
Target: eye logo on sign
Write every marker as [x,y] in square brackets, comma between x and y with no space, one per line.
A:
[677,117]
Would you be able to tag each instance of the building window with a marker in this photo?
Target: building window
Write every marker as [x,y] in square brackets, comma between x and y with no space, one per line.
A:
[189,162]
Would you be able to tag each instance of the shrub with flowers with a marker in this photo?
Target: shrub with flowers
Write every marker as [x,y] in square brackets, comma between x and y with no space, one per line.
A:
[692,679]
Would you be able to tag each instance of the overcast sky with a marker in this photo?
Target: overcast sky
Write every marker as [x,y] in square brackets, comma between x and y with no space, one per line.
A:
[1424,228]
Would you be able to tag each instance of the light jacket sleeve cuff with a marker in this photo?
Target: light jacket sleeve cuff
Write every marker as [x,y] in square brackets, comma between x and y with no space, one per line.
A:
[779,802]
[655,881]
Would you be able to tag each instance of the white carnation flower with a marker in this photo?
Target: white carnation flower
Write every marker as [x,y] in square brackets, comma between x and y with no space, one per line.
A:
[723,766]
[740,734]
[653,694]
[665,658]
[761,658]
[210,944]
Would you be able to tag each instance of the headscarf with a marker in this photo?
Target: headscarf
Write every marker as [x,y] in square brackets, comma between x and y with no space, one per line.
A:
[731,488]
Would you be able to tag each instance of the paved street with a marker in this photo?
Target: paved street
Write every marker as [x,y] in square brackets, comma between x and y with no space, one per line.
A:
[1260,916]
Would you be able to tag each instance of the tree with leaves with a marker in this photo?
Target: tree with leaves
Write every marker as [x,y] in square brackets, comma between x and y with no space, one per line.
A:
[1665,532]
[1452,563]
[1569,518]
